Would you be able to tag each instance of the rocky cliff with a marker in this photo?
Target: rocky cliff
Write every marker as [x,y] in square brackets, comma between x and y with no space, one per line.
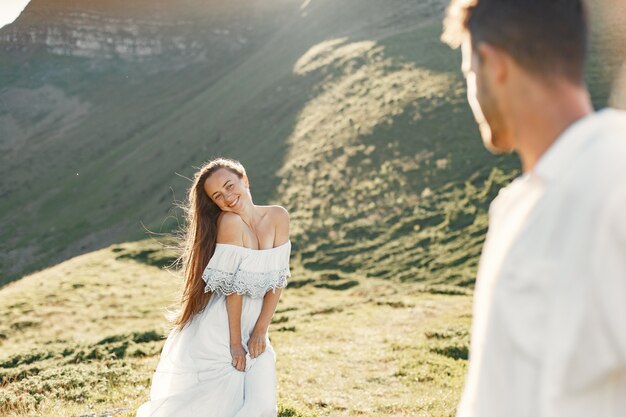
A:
[137,30]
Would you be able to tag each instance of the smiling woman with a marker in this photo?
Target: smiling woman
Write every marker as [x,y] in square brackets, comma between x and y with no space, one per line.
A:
[218,360]
[10,10]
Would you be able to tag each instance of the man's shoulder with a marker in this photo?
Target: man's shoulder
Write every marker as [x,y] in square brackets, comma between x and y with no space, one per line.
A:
[602,161]
[598,171]
[612,115]
[611,129]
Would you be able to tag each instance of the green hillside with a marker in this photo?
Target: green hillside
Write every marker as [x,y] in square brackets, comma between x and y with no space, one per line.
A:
[352,115]
[82,338]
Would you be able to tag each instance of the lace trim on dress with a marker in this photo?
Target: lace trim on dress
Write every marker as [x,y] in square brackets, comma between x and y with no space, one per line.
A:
[254,284]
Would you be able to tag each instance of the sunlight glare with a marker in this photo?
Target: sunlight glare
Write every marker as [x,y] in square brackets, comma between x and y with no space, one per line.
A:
[10,10]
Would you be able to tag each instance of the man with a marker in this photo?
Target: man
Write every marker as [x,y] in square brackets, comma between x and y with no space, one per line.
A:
[549,325]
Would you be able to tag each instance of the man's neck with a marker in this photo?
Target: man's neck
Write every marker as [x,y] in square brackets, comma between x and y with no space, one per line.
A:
[545,115]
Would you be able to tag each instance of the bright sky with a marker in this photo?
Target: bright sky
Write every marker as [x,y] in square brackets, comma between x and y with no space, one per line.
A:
[10,10]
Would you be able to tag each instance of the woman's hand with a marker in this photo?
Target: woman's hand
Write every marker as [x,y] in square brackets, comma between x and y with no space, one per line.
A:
[256,344]
[238,354]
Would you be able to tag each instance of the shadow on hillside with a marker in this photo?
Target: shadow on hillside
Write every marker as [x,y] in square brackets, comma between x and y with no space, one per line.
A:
[152,257]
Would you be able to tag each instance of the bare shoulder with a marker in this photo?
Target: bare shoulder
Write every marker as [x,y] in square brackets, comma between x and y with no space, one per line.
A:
[279,213]
[230,228]
[280,219]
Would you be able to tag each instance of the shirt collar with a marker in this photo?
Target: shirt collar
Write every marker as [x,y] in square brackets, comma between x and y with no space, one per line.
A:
[567,146]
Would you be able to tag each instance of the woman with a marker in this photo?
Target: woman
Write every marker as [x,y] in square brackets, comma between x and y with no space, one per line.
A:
[217,360]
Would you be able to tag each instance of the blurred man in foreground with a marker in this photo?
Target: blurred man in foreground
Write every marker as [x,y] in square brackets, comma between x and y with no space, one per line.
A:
[549,325]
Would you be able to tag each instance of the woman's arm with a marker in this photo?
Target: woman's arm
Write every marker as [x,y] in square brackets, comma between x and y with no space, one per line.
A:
[230,230]
[256,344]
[233,308]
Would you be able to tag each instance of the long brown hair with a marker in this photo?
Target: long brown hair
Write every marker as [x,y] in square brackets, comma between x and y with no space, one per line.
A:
[200,236]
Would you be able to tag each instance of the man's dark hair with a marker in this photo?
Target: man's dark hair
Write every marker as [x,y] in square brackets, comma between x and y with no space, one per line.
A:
[546,37]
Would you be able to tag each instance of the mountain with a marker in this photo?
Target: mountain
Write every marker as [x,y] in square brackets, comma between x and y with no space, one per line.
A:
[351,114]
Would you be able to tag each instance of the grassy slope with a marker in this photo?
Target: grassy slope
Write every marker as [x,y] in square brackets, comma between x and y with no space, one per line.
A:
[350,114]
[119,167]
[99,176]
[397,361]
[84,336]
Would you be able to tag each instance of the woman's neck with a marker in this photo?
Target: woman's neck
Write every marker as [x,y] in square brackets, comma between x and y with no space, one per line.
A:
[251,215]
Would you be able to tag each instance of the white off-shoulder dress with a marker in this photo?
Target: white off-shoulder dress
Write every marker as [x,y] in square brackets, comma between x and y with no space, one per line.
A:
[195,376]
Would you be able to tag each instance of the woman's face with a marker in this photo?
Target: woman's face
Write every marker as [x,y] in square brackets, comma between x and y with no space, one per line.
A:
[227,190]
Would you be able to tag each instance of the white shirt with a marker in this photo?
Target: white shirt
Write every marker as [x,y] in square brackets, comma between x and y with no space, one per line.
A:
[549,325]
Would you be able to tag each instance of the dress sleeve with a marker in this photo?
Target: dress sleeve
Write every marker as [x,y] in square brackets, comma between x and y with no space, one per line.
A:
[233,270]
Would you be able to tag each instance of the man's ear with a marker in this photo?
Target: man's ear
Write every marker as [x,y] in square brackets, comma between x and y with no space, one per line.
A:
[493,62]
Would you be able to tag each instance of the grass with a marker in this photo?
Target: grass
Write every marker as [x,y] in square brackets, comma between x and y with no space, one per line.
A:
[83,338]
